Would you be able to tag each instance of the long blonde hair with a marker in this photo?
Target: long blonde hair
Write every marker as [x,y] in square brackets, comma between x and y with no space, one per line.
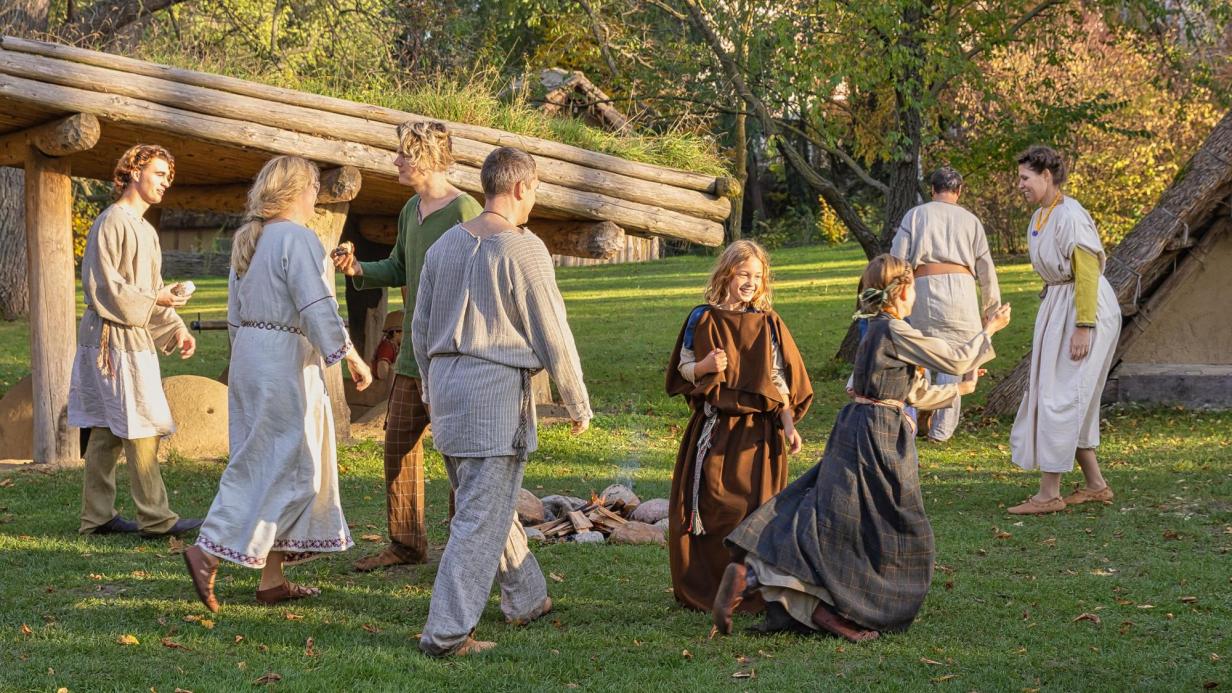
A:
[725,268]
[280,181]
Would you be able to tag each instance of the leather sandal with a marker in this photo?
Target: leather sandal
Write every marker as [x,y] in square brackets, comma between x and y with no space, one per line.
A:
[202,573]
[1086,495]
[1035,507]
[729,595]
[286,592]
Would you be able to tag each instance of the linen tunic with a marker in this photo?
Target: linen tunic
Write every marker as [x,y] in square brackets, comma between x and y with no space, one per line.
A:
[121,278]
[1059,412]
[279,491]
[489,315]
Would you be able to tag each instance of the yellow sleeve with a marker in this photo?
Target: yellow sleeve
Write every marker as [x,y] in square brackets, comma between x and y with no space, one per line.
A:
[1086,285]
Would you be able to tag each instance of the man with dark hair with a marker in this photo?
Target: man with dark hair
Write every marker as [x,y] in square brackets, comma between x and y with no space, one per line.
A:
[488,316]
[116,389]
[946,246]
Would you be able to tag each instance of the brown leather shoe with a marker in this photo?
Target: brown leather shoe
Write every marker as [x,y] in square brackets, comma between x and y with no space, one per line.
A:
[1034,507]
[286,592]
[470,646]
[1086,495]
[542,610]
[729,595]
[384,559]
[202,568]
[827,619]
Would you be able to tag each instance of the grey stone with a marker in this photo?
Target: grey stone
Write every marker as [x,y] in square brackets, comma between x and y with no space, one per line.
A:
[588,538]
[637,533]
[533,534]
[561,505]
[530,508]
[650,511]
[620,492]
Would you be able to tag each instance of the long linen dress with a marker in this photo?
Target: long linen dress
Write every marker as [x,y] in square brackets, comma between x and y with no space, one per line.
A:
[1059,412]
[733,456]
[852,531]
[116,382]
[279,491]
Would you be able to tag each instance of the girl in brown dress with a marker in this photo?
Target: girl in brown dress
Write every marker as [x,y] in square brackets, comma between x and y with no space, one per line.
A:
[747,391]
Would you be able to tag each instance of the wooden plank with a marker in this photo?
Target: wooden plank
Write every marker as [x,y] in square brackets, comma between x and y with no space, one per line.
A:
[328,224]
[491,136]
[62,137]
[156,117]
[53,305]
[579,521]
[340,184]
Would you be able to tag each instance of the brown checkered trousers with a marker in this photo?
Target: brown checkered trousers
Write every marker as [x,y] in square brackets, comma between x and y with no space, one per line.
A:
[854,524]
[405,425]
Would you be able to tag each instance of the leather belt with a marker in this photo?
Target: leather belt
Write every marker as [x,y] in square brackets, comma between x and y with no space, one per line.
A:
[929,269]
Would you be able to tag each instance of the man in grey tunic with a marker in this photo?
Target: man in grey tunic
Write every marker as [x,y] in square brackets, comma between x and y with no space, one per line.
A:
[946,246]
[116,389]
[488,315]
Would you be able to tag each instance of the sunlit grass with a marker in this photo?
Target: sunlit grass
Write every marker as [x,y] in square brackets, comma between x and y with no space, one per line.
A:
[1154,567]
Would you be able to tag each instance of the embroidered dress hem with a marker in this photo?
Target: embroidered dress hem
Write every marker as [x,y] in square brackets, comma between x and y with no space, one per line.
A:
[296,550]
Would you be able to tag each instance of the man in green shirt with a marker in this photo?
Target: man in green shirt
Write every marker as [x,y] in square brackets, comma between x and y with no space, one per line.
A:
[424,155]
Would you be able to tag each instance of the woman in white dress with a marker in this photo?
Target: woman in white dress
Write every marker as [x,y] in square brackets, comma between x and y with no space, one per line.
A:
[278,500]
[1076,332]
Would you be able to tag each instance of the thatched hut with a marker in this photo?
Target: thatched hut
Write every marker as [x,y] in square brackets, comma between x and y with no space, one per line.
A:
[1170,274]
[68,111]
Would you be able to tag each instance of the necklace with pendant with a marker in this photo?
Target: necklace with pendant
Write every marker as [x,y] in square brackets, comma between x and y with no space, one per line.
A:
[502,216]
[1042,220]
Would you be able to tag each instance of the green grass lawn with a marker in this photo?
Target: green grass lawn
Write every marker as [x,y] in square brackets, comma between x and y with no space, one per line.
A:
[1153,569]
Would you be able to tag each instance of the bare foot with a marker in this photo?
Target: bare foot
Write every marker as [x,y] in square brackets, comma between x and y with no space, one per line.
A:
[729,596]
[829,621]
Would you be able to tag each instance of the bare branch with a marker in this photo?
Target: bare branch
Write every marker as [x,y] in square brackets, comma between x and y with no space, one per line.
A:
[843,156]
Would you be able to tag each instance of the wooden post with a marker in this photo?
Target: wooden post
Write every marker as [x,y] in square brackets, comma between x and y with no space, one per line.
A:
[53,334]
[328,224]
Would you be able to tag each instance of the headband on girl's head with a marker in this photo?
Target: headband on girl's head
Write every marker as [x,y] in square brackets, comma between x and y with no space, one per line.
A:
[876,298]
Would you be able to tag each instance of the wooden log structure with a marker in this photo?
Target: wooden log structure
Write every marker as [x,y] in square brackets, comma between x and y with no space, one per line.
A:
[62,137]
[339,184]
[600,240]
[53,301]
[328,223]
[485,135]
[575,184]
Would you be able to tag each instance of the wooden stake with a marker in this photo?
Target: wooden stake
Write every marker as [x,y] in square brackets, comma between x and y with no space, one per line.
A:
[53,333]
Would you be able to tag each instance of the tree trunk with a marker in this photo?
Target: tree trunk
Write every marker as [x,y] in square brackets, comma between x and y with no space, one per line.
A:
[741,164]
[20,18]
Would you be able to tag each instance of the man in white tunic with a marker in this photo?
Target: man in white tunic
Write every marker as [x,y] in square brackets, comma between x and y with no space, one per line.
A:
[116,387]
[488,316]
[946,246]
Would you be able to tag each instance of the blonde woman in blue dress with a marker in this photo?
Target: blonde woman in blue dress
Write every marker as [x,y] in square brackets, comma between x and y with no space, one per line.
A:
[1076,332]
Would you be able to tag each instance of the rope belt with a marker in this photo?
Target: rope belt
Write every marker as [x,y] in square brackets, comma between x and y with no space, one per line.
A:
[703,447]
[891,403]
[276,327]
[1047,284]
[524,416]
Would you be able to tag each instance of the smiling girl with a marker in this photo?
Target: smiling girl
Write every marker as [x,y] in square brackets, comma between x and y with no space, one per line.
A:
[747,392]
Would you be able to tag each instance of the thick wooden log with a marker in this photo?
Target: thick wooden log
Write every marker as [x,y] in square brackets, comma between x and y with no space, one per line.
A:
[156,117]
[327,224]
[70,135]
[346,127]
[340,184]
[53,305]
[597,240]
[491,136]
[601,240]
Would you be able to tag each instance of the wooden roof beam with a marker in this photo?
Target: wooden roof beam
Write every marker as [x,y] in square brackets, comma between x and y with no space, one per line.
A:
[63,137]
[338,184]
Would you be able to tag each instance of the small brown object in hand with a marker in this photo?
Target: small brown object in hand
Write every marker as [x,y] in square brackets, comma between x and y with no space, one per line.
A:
[343,249]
